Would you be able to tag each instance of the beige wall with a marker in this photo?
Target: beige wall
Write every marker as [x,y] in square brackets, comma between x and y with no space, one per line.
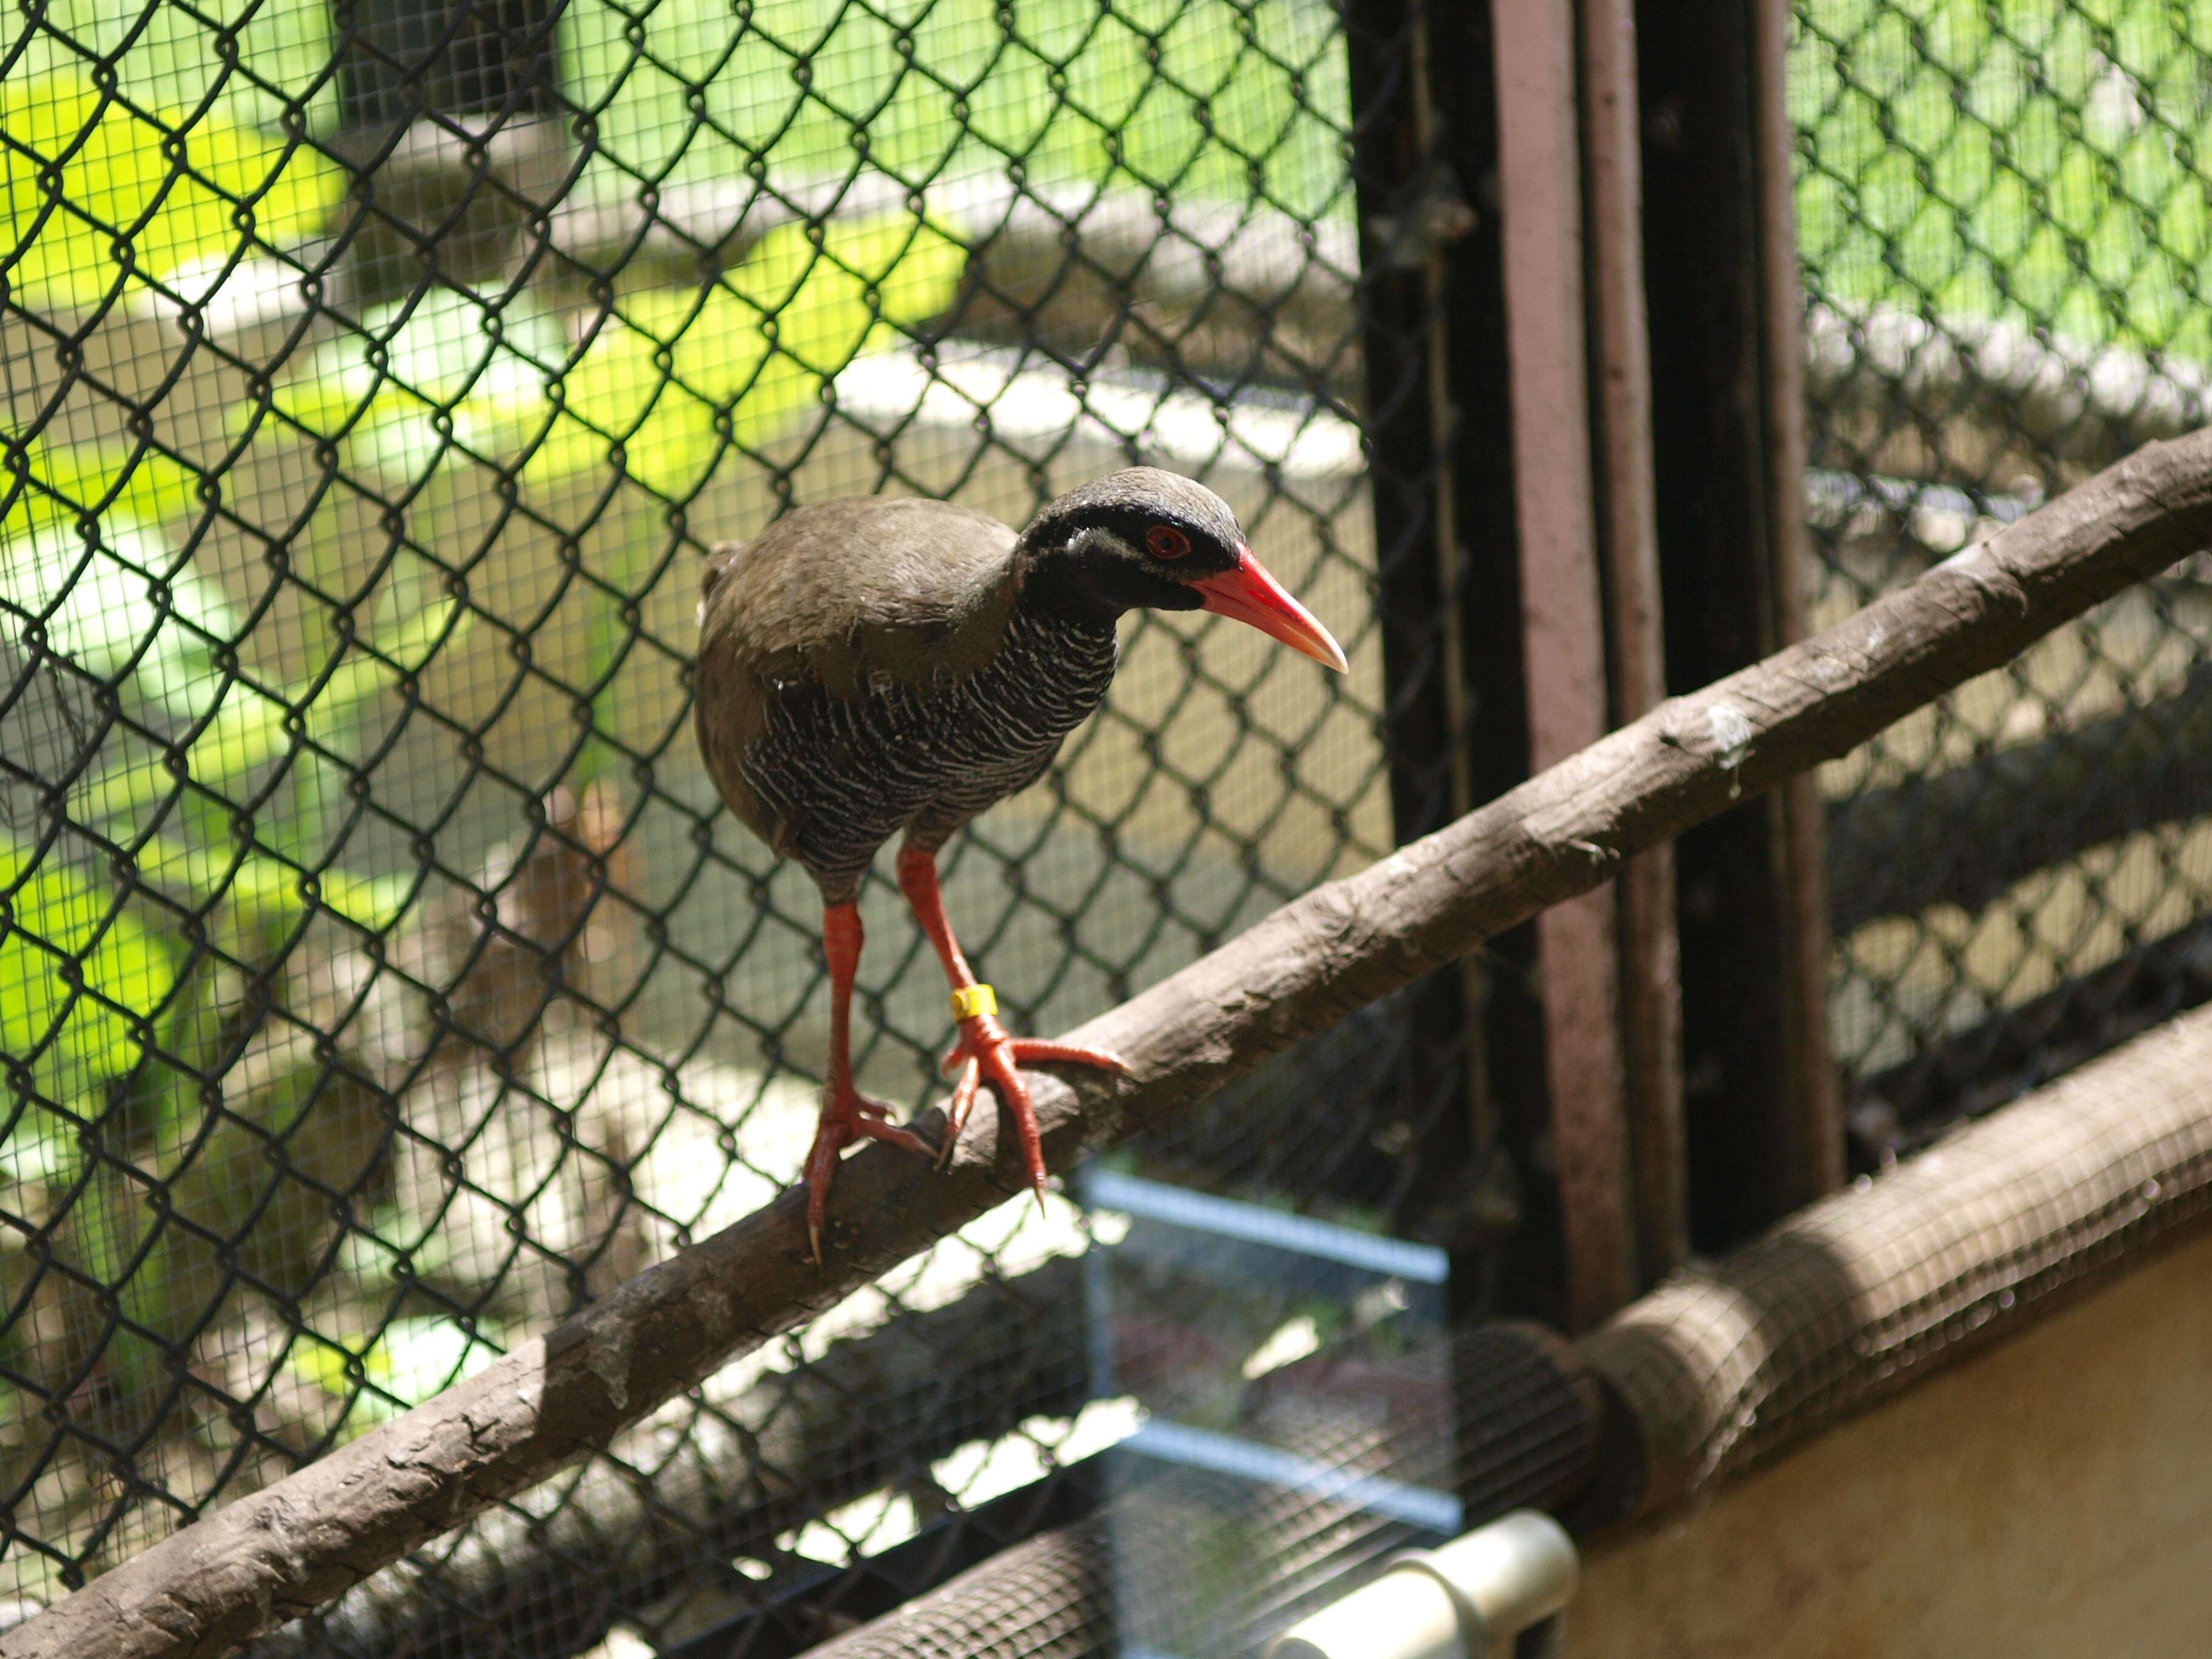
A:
[2053,1497]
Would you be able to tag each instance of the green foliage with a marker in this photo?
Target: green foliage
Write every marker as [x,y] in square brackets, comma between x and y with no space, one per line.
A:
[248,60]
[252,728]
[409,1361]
[2041,162]
[173,184]
[57,485]
[264,896]
[117,1027]
[87,975]
[442,359]
[113,1022]
[1161,94]
[666,375]
[81,978]
[95,607]
[745,354]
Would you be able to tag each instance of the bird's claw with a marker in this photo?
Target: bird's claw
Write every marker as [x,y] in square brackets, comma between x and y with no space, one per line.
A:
[985,1054]
[963,1098]
[847,1116]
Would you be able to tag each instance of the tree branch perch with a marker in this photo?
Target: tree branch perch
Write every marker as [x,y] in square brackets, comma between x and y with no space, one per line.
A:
[296,1545]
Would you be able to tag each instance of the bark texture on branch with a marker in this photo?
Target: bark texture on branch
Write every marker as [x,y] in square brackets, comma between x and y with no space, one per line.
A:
[296,1545]
[789,1447]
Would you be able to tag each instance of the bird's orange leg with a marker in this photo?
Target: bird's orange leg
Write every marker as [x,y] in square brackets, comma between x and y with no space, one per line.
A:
[847,1114]
[984,1053]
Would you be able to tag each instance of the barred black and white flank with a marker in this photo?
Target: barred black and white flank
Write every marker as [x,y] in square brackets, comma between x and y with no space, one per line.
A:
[872,667]
[879,665]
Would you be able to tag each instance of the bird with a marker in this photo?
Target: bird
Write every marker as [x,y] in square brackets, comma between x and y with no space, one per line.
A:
[881,666]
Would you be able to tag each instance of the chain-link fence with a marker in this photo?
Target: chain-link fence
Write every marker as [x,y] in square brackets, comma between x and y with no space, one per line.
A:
[381,978]
[2003,214]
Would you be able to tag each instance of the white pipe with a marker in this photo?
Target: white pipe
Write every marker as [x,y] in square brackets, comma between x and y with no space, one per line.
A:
[1467,1599]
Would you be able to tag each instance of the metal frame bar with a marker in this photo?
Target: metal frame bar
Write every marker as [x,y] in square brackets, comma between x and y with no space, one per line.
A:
[1816,1146]
[1563,618]
[1650,951]
[1760,1103]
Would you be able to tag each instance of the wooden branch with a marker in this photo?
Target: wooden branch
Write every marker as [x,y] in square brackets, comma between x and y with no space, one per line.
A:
[778,1454]
[294,1546]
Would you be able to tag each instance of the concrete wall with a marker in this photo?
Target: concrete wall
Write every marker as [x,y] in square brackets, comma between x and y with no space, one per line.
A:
[2052,1498]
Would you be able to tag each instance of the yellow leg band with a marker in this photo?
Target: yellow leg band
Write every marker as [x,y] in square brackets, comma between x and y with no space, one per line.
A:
[970,1000]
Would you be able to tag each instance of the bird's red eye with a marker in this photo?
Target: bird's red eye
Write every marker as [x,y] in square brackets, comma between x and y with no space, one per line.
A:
[1166,542]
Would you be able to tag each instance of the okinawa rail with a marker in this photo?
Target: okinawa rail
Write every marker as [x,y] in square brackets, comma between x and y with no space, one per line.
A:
[879,665]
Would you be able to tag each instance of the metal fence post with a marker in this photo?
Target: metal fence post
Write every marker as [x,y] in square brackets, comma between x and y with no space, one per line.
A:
[1620,389]
[1539,167]
[1764,1124]
[1432,324]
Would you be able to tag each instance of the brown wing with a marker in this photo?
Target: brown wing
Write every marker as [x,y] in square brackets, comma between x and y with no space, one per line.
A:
[839,595]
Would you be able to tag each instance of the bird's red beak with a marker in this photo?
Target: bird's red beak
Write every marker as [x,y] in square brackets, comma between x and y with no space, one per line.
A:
[1253,597]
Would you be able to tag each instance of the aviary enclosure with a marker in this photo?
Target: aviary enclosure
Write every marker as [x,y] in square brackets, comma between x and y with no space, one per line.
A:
[381,981]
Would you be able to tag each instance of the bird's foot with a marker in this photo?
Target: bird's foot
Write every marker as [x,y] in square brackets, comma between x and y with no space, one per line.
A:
[847,1116]
[985,1054]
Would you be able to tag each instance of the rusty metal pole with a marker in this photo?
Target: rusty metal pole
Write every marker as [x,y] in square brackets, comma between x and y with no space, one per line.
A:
[1540,189]
[1427,396]
[1721,274]
[1650,955]
[1816,1148]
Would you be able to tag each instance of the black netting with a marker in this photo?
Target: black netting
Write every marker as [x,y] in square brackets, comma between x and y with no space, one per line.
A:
[379,977]
[382,978]
[2004,216]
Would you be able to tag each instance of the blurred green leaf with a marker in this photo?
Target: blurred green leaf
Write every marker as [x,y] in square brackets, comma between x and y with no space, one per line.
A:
[266,889]
[412,641]
[2084,220]
[104,1229]
[249,730]
[1154,97]
[758,343]
[830,305]
[661,377]
[168,182]
[625,391]
[101,598]
[99,610]
[39,1147]
[256,64]
[409,1361]
[57,915]
[447,354]
[49,483]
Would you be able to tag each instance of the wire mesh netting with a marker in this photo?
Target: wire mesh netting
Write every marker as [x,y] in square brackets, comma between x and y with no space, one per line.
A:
[381,978]
[2003,217]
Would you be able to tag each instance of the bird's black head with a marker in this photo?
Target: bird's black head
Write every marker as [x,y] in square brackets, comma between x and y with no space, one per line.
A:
[1142,537]
[1139,537]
